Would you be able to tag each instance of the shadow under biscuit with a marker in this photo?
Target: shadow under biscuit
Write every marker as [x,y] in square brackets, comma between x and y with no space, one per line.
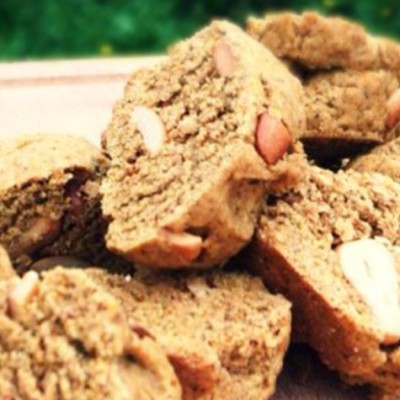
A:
[304,377]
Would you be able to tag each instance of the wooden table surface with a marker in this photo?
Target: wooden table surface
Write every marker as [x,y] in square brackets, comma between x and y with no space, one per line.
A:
[76,97]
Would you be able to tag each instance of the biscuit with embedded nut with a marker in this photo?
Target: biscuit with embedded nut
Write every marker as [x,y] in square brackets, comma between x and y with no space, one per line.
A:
[192,143]
[223,332]
[63,338]
[322,245]
[49,199]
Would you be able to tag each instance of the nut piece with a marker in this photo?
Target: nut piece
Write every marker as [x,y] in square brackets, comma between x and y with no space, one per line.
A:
[41,231]
[198,286]
[272,138]
[370,268]
[186,245]
[393,107]
[48,263]
[25,289]
[6,268]
[151,128]
[224,59]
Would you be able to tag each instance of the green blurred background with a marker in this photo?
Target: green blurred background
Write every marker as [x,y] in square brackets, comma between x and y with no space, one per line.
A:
[32,29]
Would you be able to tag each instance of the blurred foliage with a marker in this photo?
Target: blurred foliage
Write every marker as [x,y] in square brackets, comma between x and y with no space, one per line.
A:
[60,28]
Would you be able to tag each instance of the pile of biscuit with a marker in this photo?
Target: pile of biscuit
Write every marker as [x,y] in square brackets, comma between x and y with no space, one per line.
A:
[247,194]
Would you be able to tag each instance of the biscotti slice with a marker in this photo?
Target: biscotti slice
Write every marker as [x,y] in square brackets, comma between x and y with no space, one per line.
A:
[49,198]
[384,159]
[349,112]
[332,247]
[6,269]
[64,338]
[191,143]
[223,332]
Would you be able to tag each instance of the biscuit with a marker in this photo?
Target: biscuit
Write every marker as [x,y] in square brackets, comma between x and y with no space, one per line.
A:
[347,112]
[331,246]
[351,80]
[65,338]
[317,42]
[50,200]
[223,332]
[192,142]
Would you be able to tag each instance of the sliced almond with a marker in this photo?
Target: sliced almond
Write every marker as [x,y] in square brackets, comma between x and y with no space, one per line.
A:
[272,138]
[224,58]
[151,128]
[23,292]
[370,268]
[186,245]
[393,108]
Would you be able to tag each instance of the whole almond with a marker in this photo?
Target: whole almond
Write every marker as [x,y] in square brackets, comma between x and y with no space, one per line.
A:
[150,127]
[272,138]
[6,268]
[370,268]
[41,230]
[25,289]
[48,263]
[393,109]
[224,59]
[188,246]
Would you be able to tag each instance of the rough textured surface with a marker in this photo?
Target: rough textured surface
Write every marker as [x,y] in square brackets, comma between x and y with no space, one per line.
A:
[59,345]
[49,198]
[294,251]
[223,332]
[205,182]
[318,42]
[384,159]
[347,112]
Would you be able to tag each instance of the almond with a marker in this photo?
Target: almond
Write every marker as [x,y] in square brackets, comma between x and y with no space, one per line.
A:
[370,268]
[41,230]
[25,289]
[6,268]
[150,127]
[48,263]
[188,246]
[393,108]
[272,138]
[198,286]
[224,59]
